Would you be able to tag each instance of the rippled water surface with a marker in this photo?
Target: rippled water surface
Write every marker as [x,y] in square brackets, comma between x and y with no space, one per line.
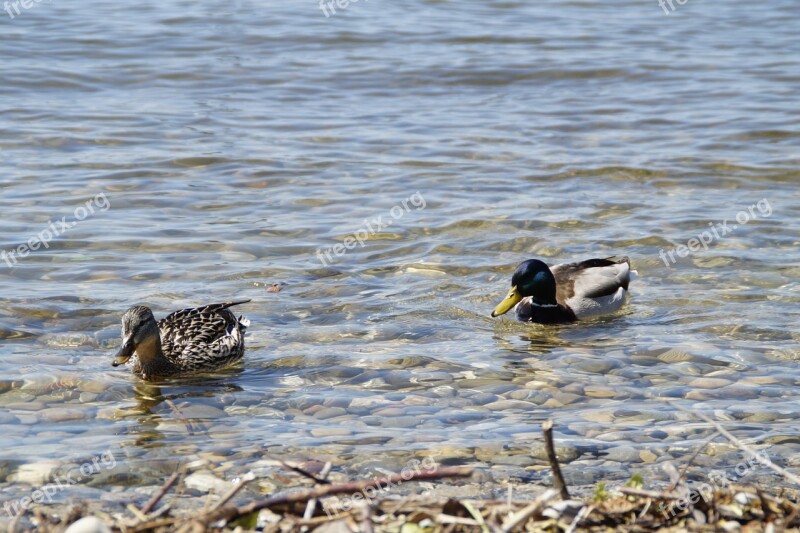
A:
[224,147]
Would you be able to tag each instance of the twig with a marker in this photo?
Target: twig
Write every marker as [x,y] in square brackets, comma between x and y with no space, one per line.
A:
[155,524]
[311,506]
[316,479]
[765,509]
[457,520]
[583,513]
[232,513]
[725,433]
[646,508]
[795,509]
[180,416]
[150,505]
[675,483]
[244,480]
[317,520]
[558,479]
[655,494]
[476,515]
[534,507]
[133,509]
[764,460]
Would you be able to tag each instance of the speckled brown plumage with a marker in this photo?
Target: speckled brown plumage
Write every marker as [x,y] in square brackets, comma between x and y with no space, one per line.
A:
[186,341]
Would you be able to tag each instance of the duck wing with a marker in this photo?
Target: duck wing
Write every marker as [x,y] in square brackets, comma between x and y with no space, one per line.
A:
[593,278]
[195,337]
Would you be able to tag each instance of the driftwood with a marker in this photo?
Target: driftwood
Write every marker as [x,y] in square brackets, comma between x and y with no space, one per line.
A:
[232,513]
[229,513]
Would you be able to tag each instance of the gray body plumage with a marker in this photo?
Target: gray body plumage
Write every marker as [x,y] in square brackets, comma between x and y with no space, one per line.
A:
[583,290]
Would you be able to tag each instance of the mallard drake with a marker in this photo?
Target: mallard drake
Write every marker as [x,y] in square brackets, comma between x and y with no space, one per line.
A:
[567,292]
[189,340]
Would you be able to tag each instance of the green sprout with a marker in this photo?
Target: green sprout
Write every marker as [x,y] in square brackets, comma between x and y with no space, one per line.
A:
[636,481]
[600,493]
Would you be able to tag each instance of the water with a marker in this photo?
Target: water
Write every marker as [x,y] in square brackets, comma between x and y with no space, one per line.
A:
[221,145]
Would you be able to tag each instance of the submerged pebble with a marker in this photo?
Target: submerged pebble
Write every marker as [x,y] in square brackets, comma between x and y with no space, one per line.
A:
[88,524]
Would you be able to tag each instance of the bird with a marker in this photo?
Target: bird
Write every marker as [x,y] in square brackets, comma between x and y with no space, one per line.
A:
[186,341]
[567,292]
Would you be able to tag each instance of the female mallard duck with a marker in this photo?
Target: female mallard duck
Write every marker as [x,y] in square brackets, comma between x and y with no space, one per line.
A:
[190,340]
[568,292]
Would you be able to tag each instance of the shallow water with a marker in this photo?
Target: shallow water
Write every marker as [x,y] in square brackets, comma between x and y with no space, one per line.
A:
[221,146]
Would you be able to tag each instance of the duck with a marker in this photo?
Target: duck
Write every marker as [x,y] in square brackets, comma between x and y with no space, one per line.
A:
[187,341]
[567,292]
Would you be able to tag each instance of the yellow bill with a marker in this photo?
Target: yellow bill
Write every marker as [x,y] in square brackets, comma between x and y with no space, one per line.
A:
[512,299]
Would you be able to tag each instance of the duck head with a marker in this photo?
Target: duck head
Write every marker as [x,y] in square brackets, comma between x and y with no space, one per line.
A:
[531,278]
[139,335]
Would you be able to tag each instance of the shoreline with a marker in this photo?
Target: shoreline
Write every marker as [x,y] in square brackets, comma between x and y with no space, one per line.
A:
[426,496]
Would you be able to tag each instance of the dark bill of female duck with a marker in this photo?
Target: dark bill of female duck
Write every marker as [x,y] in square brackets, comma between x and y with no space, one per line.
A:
[566,292]
[139,334]
[125,351]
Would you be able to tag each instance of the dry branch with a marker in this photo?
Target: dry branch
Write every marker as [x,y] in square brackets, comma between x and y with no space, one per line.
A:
[558,479]
[232,513]
[764,460]
[534,507]
[150,505]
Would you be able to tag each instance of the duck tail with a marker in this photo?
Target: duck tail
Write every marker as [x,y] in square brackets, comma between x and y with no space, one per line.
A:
[618,259]
[624,259]
[632,274]
[231,304]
